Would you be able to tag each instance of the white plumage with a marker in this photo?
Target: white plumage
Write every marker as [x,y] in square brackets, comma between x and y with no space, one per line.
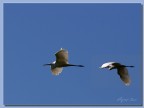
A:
[107,64]
[61,61]
[121,70]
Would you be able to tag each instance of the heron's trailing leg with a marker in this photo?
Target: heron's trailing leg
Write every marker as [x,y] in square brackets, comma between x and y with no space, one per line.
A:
[73,65]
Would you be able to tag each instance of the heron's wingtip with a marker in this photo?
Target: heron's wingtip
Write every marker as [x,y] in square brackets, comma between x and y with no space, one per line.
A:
[57,74]
[127,84]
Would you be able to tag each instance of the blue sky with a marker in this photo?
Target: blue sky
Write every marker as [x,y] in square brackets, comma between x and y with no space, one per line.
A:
[92,33]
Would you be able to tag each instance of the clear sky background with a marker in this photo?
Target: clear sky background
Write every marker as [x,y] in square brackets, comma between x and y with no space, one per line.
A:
[92,33]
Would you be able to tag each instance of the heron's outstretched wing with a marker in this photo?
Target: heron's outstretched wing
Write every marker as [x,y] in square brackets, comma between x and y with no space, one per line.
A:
[123,73]
[56,70]
[62,57]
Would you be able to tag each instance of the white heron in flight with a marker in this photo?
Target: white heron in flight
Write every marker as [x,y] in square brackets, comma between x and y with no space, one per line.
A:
[61,61]
[121,70]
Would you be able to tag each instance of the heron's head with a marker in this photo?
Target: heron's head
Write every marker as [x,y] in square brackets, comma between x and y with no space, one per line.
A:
[109,67]
[103,66]
[53,63]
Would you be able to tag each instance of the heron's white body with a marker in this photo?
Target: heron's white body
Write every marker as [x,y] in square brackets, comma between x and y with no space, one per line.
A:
[107,64]
[121,70]
[61,61]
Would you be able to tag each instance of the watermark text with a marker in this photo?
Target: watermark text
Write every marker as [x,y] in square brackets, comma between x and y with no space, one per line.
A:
[125,100]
